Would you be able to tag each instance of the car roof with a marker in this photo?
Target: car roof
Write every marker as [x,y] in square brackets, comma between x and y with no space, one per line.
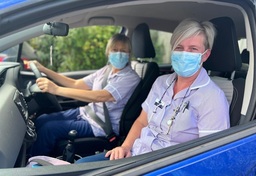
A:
[126,13]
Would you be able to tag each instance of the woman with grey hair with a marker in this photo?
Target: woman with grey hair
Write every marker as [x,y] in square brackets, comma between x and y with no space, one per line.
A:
[181,106]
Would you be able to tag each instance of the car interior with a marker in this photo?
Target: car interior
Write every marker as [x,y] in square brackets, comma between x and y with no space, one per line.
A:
[148,70]
[229,66]
[222,73]
[226,47]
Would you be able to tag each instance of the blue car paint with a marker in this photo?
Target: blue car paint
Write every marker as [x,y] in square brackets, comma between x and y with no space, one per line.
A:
[7,3]
[235,159]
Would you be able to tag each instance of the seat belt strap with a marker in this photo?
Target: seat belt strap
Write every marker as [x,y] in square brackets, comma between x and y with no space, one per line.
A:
[106,126]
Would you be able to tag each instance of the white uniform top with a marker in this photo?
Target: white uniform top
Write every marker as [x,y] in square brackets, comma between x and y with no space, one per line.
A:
[121,85]
[203,110]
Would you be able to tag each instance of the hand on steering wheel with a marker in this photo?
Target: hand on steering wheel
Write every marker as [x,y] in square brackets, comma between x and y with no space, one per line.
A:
[35,69]
[50,99]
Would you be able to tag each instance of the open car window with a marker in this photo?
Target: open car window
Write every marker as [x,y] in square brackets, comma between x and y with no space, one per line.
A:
[82,49]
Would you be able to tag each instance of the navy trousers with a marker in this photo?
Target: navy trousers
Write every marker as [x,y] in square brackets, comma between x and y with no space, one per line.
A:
[53,127]
[97,157]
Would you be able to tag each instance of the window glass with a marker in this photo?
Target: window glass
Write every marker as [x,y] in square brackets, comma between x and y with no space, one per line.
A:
[10,55]
[161,42]
[82,49]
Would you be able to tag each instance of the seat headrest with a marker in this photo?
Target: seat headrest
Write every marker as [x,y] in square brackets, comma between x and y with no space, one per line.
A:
[225,55]
[142,45]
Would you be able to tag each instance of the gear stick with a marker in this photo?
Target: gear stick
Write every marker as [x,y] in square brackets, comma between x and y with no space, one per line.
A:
[69,151]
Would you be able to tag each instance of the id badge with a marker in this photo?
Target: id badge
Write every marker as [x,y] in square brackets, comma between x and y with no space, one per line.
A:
[159,103]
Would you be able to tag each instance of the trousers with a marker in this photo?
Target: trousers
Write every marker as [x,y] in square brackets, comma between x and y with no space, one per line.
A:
[51,128]
[97,157]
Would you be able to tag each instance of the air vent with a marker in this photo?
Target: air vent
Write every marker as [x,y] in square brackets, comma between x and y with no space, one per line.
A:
[21,104]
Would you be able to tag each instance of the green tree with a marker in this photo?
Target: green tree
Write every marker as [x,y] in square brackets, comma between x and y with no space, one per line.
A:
[82,49]
[161,41]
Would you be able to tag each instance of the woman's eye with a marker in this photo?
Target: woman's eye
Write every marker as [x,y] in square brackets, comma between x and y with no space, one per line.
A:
[178,48]
[125,51]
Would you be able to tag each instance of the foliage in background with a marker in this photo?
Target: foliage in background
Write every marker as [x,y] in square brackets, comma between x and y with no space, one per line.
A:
[161,41]
[84,48]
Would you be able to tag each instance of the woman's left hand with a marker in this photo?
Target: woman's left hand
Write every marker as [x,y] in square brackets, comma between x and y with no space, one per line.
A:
[46,85]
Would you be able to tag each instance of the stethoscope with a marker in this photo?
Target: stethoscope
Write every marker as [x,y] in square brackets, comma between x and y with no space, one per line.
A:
[158,102]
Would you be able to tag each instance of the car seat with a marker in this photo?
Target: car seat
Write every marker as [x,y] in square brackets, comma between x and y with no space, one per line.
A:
[245,64]
[143,50]
[222,64]
[142,47]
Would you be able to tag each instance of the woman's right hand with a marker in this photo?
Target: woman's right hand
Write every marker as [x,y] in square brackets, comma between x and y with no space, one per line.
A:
[118,153]
[124,151]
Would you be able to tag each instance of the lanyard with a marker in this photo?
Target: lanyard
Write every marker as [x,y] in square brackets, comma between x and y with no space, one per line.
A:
[177,110]
[159,103]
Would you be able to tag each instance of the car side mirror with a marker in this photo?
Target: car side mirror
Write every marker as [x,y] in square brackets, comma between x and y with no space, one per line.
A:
[56,29]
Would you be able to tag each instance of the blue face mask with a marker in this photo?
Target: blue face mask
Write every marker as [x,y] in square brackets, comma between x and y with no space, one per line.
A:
[186,64]
[118,59]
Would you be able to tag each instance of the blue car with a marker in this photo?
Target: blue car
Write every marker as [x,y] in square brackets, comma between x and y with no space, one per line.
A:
[55,30]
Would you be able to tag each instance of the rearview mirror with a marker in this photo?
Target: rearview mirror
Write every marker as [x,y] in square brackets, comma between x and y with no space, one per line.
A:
[56,29]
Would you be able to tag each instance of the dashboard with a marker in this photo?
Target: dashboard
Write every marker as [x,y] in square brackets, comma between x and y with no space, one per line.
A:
[16,129]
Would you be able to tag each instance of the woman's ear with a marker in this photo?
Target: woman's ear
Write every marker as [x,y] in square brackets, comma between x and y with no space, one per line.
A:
[206,55]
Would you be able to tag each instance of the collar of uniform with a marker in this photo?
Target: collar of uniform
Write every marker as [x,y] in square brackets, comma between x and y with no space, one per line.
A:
[122,72]
[201,80]
[170,79]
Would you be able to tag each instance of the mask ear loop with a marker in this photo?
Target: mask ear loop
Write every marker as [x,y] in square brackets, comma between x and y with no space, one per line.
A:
[201,63]
[204,52]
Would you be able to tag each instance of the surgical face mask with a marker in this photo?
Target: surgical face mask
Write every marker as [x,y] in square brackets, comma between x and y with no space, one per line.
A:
[118,59]
[186,64]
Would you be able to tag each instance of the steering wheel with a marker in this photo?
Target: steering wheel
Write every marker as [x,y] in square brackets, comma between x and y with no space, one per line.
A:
[35,70]
[44,99]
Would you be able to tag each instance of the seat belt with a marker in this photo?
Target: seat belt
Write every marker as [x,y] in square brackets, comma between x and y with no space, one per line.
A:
[106,126]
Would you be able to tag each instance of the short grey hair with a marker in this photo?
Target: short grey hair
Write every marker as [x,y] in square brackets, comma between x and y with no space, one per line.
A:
[192,27]
[118,38]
